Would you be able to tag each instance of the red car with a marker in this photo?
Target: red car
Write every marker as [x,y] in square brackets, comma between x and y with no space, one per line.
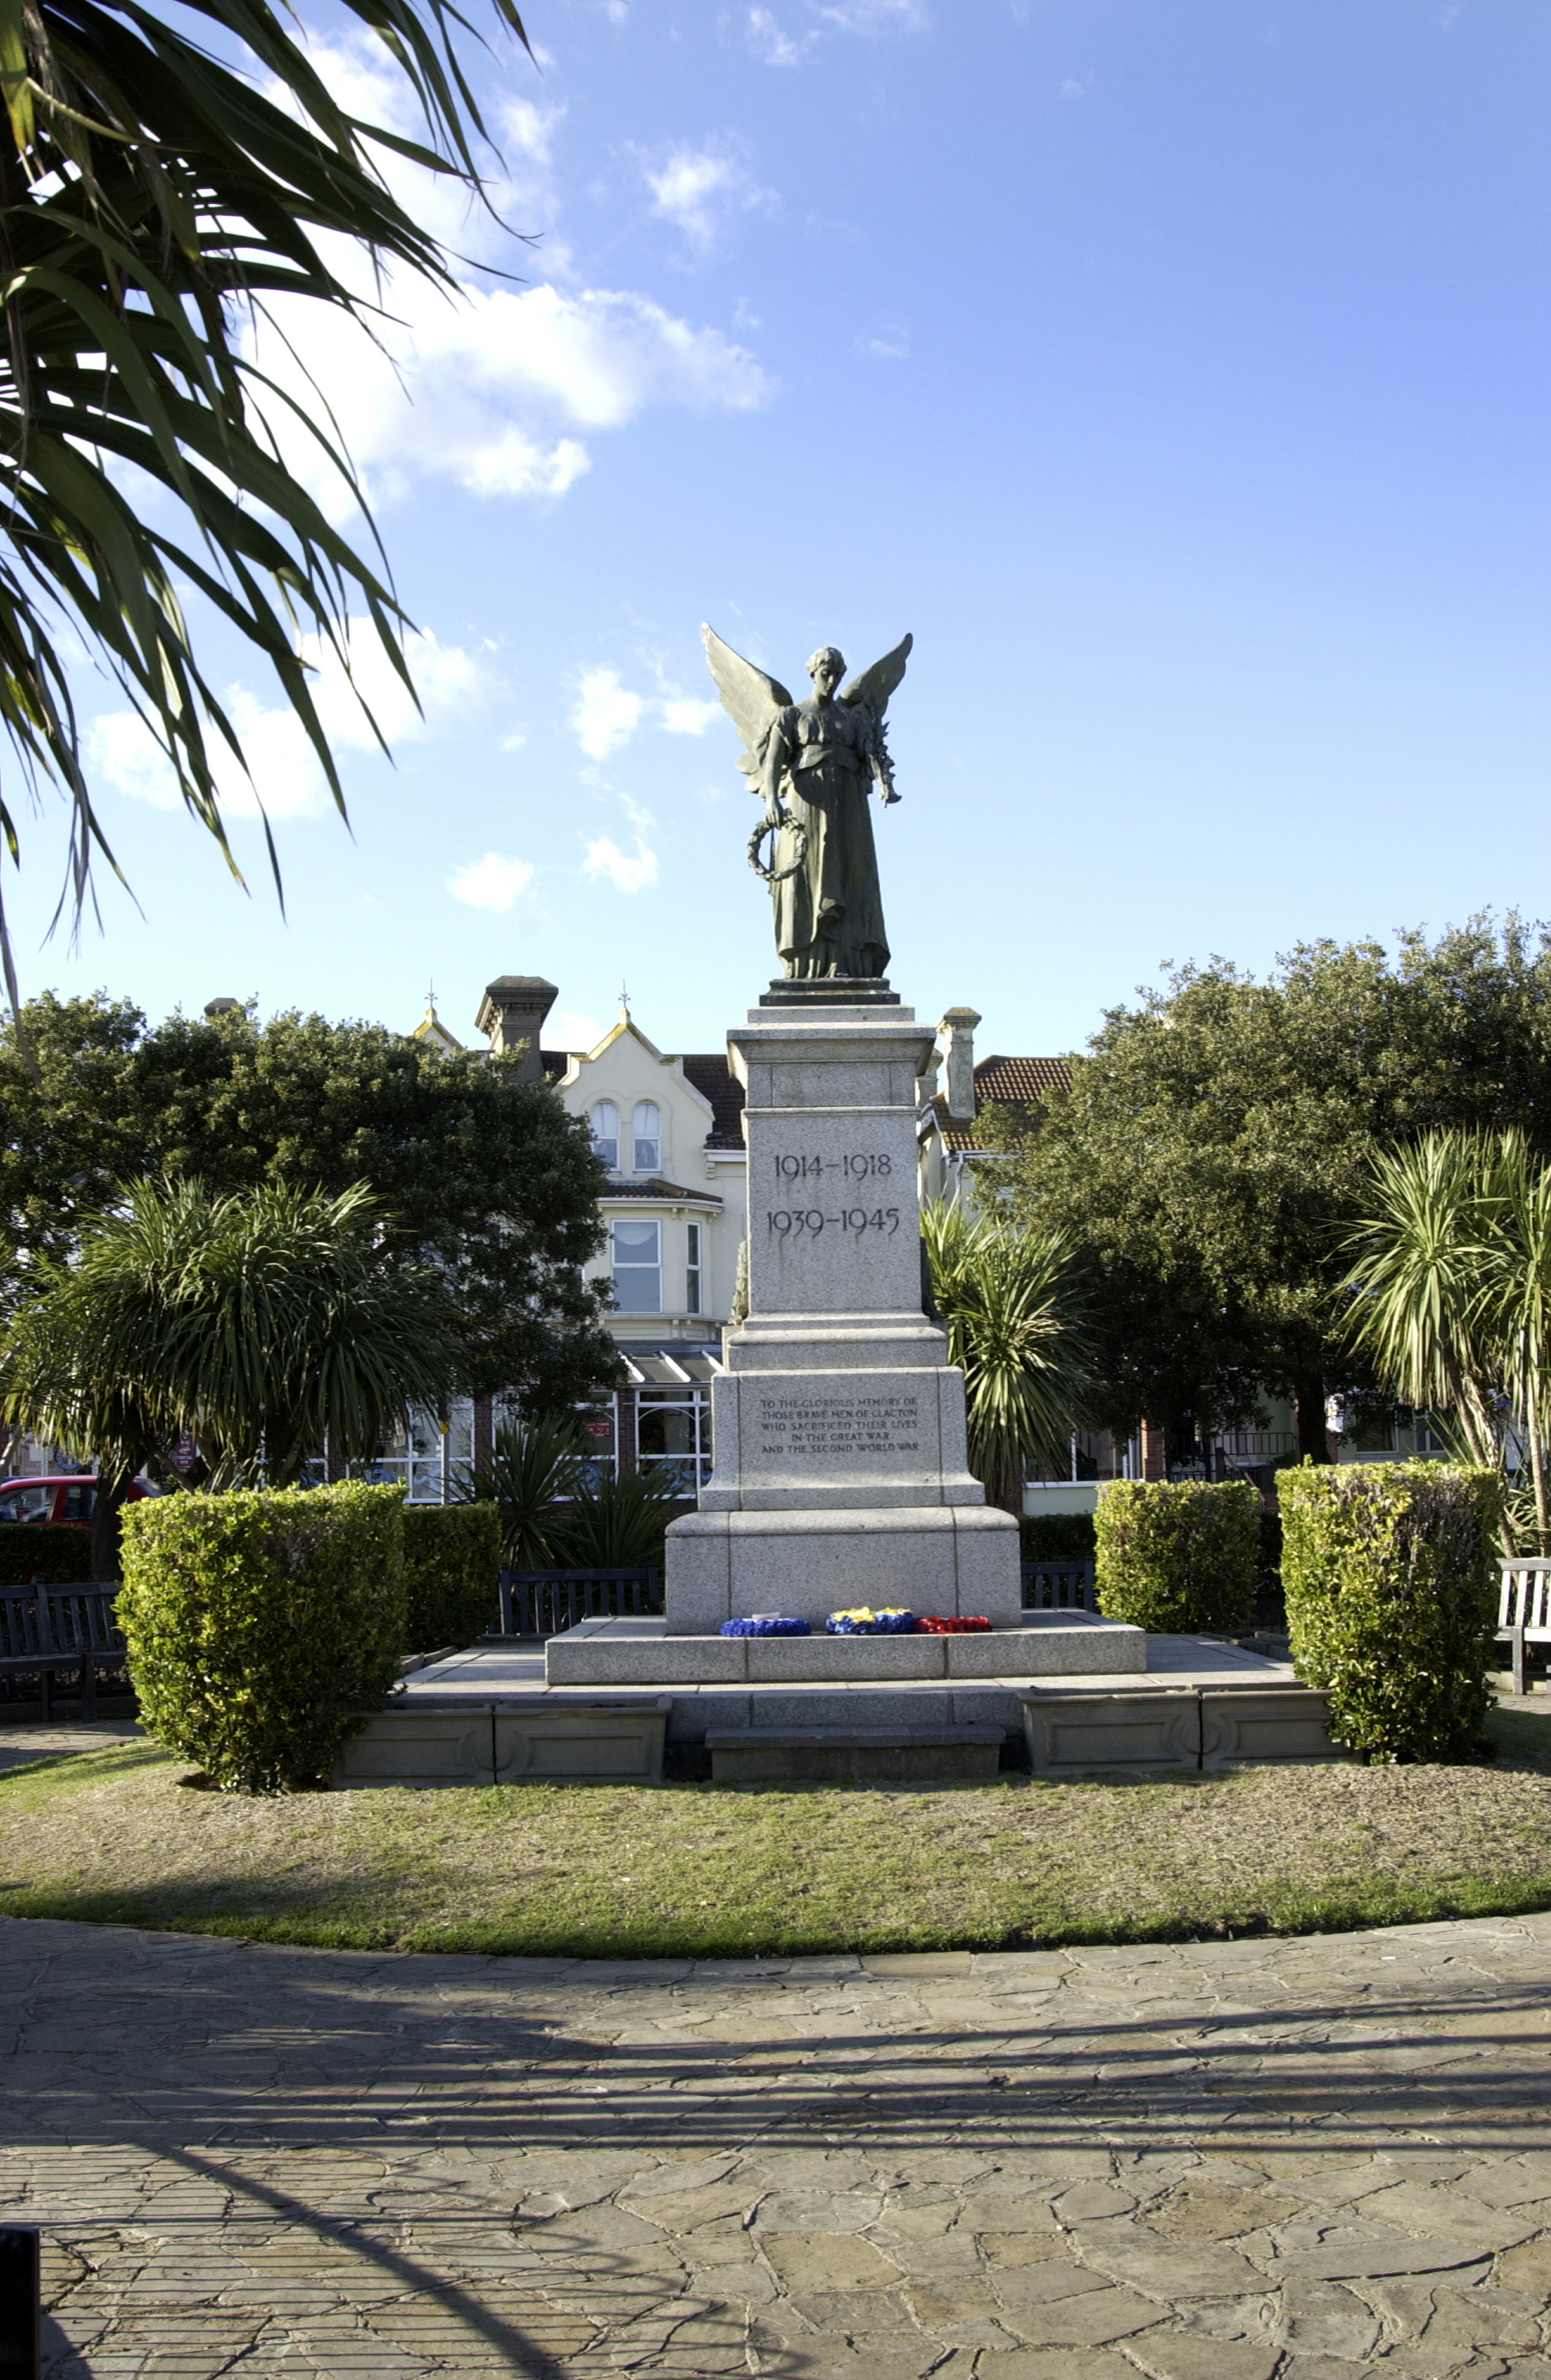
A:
[61,1498]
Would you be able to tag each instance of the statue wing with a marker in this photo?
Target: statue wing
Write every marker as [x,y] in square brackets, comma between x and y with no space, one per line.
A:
[873,686]
[750,698]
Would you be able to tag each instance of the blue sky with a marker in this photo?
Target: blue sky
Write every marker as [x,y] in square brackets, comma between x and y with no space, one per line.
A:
[1176,373]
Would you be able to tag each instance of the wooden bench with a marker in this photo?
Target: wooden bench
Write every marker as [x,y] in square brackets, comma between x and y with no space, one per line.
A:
[1059,1585]
[547,1602]
[46,1629]
[1524,1612]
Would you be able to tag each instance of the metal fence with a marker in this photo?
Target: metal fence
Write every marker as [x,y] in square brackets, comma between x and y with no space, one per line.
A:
[1058,1586]
[547,1602]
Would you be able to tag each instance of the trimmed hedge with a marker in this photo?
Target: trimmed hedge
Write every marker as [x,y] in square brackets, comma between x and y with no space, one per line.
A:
[57,1553]
[1055,1537]
[451,1553]
[259,1621]
[1390,1575]
[1176,1555]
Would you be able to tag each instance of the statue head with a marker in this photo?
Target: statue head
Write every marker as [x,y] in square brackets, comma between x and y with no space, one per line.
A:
[827,667]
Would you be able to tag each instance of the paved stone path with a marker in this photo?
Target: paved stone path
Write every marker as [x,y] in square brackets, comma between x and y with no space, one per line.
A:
[1315,2158]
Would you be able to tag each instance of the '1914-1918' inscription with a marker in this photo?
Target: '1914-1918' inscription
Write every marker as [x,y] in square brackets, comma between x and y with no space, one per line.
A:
[800,1425]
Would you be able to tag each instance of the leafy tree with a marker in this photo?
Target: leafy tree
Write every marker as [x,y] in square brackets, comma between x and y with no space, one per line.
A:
[481,1173]
[257,1323]
[1217,1142]
[155,195]
[1004,1296]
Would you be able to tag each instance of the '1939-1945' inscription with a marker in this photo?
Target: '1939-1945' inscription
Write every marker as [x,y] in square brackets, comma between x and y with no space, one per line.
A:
[799,1424]
[793,1223]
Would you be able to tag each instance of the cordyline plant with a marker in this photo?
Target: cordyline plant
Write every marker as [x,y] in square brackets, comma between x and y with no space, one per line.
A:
[1004,1296]
[153,197]
[259,1324]
[1451,1303]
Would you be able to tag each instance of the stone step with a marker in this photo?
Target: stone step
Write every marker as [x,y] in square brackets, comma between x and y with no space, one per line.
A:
[622,1652]
[1176,1727]
[854,1755]
[538,1738]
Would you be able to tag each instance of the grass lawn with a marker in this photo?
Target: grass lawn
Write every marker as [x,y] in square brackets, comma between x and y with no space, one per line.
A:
[113,1835]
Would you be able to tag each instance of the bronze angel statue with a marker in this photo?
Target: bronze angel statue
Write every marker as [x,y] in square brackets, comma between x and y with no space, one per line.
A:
[815,764]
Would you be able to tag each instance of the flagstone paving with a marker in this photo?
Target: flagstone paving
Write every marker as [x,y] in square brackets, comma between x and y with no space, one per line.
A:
[1316,2159]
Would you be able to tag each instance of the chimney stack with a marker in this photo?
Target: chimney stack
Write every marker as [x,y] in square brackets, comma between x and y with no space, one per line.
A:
[957,1031]
[512,1013]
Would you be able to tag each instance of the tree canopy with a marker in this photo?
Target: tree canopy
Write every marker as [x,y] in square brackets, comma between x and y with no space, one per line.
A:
[260,1323]
[156,193]
[1217,1142]
[481,1173]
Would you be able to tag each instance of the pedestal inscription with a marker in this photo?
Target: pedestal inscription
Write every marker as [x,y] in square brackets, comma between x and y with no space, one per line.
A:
[796,1422]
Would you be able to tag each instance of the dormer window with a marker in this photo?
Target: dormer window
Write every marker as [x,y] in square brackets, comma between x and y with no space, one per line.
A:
[648,1136]
[605,1133]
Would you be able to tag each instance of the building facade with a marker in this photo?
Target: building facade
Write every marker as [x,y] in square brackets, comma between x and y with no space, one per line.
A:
[669,1126]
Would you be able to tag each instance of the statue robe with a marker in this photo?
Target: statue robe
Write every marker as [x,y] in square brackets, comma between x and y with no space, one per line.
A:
[821,759]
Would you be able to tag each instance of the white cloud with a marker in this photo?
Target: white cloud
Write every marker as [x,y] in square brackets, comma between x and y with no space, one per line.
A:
[283,775]
[446,677]
[492,882]
[1073,89]
[684,716]
[529,129]
[627,873]
[890,340]
[873,17]
[573,1028]
[605,713]
[770,40]
[483,390]
[487,386]
[777,46]
[282,771]
[700,188]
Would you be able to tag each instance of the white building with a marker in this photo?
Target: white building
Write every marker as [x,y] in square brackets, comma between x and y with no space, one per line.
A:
[670,1128]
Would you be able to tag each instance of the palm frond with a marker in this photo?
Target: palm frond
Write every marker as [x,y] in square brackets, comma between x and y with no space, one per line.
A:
[151,198]
[1005,1299]
[533,1472]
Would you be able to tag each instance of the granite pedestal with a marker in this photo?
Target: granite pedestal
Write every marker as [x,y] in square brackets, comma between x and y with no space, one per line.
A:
[841,1469]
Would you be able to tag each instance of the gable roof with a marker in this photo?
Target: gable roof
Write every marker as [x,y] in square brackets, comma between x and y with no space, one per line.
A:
[715,1081]
[1002,1082]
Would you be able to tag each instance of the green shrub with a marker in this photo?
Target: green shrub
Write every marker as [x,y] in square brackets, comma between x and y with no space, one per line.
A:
[1055,1537]
[621,1520]
[50,1550]
[1177,1554]
[259,1621]
[1390,1575]
[451,1553]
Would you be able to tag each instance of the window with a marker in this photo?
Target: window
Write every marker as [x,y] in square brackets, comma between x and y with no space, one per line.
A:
[648,1136]
[638,1267]
[692,1272]
[605,1131]
[673,1435]
[428,1453]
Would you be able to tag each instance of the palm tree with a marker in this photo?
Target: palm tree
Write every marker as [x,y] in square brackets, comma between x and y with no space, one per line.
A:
[153,199]
[261,1324]
[1451,1301]
[533,1472]
[1005,1297]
